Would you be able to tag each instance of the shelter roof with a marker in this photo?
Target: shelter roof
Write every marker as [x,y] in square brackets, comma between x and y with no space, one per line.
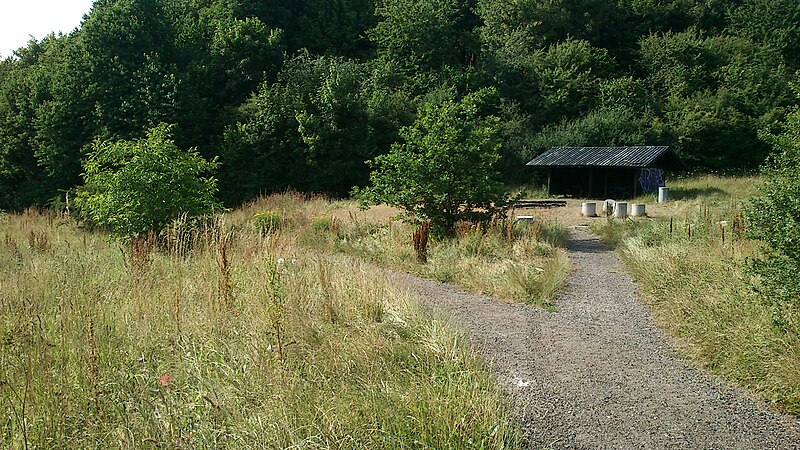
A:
[636,156]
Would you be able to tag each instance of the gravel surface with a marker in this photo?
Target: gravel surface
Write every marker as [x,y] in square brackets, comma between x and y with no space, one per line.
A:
[598,373]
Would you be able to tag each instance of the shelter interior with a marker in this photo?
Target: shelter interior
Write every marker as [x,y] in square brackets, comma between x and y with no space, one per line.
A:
[593,182]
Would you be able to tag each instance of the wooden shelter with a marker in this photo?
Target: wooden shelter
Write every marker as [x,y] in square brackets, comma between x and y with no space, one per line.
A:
[604,172]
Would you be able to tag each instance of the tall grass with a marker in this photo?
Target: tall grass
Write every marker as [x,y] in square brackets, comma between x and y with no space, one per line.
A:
[239,340]
[522,263]
[699,292]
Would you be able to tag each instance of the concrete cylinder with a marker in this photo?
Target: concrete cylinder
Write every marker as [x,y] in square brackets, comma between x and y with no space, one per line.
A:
[589,209]
[663,194]
[638,210]
[524,220]
[621,210]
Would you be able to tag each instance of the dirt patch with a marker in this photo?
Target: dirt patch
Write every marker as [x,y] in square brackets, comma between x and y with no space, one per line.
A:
[379,213]
[598,373]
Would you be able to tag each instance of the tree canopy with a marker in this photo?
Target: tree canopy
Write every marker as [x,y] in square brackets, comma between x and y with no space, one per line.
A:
[139,186]
[444,169]
[300,94]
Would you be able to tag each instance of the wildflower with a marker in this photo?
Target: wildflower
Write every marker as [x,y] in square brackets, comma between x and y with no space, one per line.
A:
[164,380]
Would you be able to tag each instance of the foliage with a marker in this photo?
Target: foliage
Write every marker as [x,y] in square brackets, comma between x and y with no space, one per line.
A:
[299,94]
[444,170]
[773,23]
[715,93]
[423,36]
[618,125]
[311,130]
[774,218]
[134,187]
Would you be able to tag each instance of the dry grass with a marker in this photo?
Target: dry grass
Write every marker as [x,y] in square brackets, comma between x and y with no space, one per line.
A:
[699,292]
[236,339]
[518,263]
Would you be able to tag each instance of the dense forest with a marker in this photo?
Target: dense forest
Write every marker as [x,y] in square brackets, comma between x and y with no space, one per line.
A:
[299,94]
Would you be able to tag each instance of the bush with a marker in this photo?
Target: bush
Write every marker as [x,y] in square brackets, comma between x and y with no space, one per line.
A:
[774,218]
[135,187]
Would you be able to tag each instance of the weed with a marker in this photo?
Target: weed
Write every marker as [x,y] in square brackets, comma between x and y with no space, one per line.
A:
[223,260]
[92,359]
[38,240]
[141,249]
[267,222]
[324,224]
[421,241]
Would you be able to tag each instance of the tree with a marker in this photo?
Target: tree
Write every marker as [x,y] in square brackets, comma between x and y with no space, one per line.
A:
[137,186]
[444,169]
[775,23]
[714,93]
[312,130]
[774,218]
[425,38]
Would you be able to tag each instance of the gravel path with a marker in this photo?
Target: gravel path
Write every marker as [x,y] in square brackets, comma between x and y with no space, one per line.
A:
[598,373]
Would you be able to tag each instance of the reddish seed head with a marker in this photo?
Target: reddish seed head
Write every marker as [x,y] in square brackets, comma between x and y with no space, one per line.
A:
[164,380]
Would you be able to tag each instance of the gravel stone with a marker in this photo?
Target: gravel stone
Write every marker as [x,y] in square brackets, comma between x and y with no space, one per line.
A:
[598,373]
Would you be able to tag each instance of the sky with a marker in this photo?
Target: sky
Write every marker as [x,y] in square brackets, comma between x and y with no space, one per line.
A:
[21,19]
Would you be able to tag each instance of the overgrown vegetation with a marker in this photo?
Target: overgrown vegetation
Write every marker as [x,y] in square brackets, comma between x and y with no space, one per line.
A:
[518,263]
[774,218]
[226,337]
[694,278]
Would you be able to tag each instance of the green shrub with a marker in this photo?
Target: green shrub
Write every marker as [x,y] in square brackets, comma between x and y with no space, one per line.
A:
[135,187]
[268,221]
[774,218]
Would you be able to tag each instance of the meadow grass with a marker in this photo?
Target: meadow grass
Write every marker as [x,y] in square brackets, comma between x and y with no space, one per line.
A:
[517,263]
[698,289]
[226,336]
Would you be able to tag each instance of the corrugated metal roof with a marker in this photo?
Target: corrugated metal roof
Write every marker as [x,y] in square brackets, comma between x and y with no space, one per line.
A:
[639,156]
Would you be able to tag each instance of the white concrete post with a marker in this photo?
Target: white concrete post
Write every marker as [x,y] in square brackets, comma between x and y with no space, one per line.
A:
[663,194]
[621,210]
